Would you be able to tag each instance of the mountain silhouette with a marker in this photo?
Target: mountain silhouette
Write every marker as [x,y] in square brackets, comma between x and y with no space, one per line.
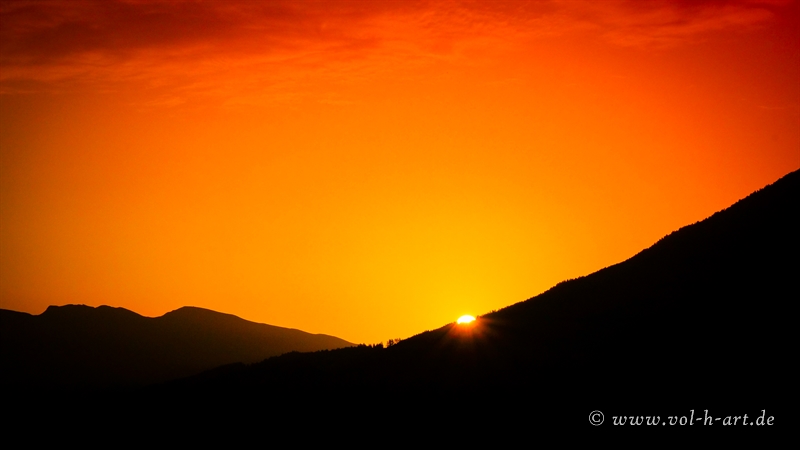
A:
[84,347]
[701,318]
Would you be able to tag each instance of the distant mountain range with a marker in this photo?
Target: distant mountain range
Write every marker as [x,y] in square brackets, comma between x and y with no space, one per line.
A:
[78,346]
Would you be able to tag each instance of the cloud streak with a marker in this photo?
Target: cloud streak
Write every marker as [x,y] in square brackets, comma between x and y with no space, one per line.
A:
[663,24]
[194,47]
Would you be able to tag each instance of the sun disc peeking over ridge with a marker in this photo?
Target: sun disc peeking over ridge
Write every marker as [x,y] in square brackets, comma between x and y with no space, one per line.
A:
[465,319]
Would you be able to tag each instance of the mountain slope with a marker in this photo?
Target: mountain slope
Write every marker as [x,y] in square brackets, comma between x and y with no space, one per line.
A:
[701,316]
[77,345]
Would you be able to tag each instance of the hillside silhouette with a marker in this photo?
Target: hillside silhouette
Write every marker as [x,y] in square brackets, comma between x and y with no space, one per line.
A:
[702,318]
[78,346]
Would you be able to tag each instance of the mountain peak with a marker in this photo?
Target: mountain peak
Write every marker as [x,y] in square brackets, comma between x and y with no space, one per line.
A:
[80,310]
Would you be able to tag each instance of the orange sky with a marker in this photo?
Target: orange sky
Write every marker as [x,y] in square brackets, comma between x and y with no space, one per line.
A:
[372,170]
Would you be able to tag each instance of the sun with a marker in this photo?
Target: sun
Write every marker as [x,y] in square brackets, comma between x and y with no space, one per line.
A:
[465,319]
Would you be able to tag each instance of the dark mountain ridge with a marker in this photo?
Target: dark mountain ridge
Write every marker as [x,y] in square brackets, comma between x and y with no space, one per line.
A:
[81,346]
[703,317]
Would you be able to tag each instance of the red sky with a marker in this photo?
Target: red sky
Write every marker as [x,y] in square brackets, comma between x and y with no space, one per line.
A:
[372,169]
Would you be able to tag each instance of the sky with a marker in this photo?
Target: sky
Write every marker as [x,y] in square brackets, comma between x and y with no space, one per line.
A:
[372,170]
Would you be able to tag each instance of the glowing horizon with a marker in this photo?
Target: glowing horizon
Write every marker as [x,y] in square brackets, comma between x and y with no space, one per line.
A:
[465,319]
[368,170]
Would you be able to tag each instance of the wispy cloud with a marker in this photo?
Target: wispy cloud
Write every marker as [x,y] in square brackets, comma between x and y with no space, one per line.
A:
[672,23]
[193,46]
